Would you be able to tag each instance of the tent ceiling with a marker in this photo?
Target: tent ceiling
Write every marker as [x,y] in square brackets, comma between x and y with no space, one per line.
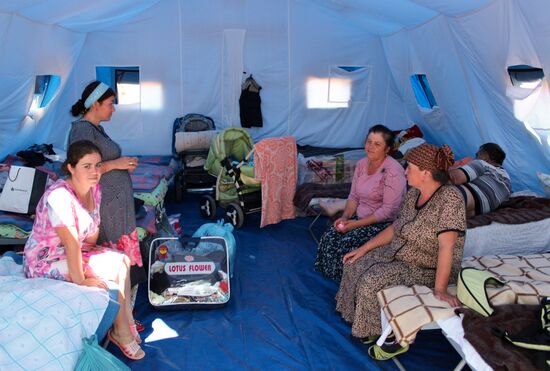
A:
[389,16]
[375,17]
[77,15]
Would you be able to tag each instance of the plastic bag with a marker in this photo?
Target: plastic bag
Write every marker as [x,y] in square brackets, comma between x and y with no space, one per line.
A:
[95,358]
[220,229]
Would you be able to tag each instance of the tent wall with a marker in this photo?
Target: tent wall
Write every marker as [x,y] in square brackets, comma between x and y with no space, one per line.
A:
[184,56]
[28,49]
[466,60]
[191,56]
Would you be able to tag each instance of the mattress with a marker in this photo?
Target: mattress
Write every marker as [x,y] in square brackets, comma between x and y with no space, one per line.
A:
[508,239]
[40,312]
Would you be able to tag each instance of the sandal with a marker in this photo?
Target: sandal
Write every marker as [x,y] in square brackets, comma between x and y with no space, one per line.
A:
[135,333]
[130,350]
[368,340]
[376,352]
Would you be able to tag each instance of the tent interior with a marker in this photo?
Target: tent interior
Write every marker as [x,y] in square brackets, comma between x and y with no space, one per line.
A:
[465,71]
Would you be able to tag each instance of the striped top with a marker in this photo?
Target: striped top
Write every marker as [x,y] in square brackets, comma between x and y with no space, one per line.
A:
[490,185]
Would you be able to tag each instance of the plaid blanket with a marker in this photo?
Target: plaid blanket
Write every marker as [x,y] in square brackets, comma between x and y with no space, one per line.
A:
[407,309]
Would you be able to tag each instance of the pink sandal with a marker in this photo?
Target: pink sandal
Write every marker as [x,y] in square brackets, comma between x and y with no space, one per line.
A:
[135,333]
[130,350]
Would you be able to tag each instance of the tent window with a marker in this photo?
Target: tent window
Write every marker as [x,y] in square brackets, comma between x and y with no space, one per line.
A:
[45,87]
[422,91]
[524,76]
[124,80]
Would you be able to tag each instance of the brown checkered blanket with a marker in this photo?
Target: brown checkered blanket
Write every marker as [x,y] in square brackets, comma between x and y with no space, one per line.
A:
[409,308]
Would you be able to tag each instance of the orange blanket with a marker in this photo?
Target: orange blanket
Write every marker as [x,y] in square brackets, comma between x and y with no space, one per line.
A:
[275,165]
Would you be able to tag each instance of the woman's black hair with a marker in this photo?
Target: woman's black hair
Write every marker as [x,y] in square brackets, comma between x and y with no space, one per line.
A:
[440,176]
[76,151]
[79,109]
[387,134]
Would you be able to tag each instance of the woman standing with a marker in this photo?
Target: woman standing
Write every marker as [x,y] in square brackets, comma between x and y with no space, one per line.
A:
[422,247]
[377,190]
[117,203]
[62,244]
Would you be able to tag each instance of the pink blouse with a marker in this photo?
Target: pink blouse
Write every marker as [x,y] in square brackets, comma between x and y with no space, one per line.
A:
[381,193]
[58,207]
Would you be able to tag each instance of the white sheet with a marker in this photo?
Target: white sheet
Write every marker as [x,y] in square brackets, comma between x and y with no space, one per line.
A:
[508,239]
[453,330]
[43,321]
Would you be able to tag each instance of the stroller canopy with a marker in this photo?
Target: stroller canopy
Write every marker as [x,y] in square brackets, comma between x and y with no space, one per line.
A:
[234,143]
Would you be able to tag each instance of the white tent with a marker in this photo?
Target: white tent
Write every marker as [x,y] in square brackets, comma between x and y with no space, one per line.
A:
[191,57]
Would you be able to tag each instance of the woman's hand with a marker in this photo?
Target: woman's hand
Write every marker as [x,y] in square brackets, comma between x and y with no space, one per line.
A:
[94,282]
[339,221]
[344,225]
[443,295]
[127,163]
[353,256]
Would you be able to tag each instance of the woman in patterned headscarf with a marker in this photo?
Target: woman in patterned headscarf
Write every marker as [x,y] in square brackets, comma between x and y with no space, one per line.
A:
[422,247]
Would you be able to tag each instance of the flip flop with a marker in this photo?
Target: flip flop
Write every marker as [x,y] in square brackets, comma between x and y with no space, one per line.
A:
[368,340]
[130,350]
[379,354]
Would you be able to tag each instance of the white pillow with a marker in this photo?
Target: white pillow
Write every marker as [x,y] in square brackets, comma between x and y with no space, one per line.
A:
[186,140]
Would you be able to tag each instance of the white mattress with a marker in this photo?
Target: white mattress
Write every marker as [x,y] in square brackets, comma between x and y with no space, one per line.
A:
[508,239]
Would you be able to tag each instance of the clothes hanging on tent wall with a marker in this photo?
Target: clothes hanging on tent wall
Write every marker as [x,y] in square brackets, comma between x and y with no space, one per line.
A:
[250,104]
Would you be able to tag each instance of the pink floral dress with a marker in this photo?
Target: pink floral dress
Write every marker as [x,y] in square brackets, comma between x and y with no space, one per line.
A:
[45,255]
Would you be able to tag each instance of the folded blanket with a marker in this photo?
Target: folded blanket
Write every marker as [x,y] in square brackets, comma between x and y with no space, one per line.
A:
[516,210]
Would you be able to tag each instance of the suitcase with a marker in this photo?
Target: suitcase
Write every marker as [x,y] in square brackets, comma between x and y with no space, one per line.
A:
[188,273]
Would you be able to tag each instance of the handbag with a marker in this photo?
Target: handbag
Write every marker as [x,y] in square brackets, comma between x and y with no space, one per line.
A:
[96,358]
[23,189]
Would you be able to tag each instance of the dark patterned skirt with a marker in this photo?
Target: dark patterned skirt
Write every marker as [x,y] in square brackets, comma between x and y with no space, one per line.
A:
[334,245]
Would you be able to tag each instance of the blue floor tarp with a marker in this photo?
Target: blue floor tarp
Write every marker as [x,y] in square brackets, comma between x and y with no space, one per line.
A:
[280,317]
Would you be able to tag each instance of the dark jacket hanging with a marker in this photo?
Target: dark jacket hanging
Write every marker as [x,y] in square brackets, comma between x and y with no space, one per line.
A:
[250,104]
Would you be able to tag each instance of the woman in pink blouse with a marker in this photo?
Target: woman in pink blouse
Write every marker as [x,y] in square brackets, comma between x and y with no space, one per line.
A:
[62,244]
[377,190]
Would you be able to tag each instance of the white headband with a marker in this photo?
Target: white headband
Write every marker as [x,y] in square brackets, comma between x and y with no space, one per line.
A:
[96,94]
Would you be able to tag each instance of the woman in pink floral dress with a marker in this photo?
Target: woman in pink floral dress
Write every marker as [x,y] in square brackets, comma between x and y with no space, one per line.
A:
[62,244]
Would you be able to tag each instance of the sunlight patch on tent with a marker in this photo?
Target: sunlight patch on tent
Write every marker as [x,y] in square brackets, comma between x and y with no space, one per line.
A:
[161,331]
[152,97]
[318,91]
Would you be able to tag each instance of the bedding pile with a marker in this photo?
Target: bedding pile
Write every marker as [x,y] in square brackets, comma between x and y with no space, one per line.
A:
[527,279]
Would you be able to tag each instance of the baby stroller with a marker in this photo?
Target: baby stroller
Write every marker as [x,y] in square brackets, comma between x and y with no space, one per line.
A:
[230,162]
[191,139]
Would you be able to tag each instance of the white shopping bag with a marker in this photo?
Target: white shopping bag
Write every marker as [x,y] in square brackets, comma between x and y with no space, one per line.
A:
[23,189]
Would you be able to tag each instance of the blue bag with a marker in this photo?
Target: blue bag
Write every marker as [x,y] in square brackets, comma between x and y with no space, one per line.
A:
[95,358]
[220,229]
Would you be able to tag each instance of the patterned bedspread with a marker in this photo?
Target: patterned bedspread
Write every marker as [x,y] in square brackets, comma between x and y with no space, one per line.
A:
[409,308]
[43,321]
[150,171]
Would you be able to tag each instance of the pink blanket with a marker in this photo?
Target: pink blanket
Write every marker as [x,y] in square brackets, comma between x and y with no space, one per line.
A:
[275,165]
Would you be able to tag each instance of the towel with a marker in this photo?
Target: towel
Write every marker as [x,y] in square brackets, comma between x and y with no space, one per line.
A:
[276,167]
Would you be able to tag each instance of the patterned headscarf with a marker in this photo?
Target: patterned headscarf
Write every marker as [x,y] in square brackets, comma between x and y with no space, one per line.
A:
[430,157]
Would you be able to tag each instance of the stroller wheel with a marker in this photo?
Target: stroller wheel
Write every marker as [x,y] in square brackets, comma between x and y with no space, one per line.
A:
[234,214]
[208,207]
